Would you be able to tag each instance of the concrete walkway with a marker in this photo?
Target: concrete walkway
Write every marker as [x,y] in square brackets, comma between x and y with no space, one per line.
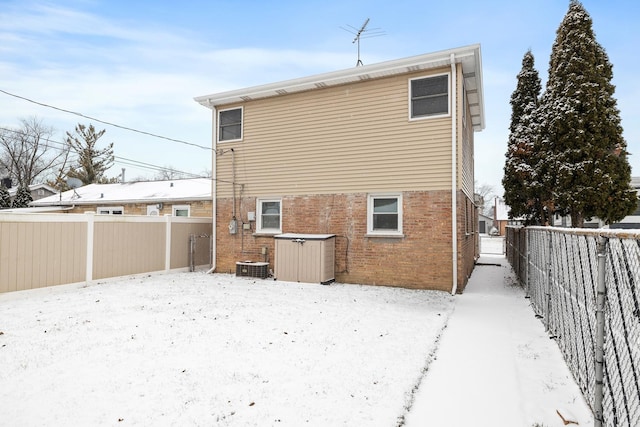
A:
[495,365]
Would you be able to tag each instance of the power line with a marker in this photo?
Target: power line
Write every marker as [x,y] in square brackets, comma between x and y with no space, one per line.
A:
[117,159]
[105,122]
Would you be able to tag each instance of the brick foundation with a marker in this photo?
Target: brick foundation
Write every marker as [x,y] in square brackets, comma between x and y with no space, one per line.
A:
[421,260]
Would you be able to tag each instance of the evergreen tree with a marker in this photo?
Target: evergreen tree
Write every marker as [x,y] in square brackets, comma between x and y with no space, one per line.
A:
[92,162]
[581,134]
[23,198]
[521,191]
[5,198]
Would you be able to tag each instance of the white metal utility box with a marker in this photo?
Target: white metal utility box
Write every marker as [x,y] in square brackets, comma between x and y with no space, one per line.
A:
[305,257]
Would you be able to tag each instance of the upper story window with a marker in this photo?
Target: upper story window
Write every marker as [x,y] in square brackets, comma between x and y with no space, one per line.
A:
[384,214]
[429,96]
[230,125]
[269,216]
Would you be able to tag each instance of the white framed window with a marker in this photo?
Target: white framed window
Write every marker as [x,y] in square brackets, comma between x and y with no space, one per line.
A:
[384,214]
[429,97]
[111,210]
[181,210]
[269,216]
[230,124]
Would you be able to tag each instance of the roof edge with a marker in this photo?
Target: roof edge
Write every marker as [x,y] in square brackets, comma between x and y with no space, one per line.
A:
[397,66]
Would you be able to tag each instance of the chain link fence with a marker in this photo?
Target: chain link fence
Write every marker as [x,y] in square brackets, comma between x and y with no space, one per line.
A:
[585,286]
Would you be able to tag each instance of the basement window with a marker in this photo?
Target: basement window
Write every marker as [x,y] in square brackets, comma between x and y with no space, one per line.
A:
[230,125]
[429,96]
[384,215]
[269,216]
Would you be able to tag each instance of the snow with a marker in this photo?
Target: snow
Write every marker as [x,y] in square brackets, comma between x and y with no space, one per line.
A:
[133,191]
[198,349]
[496,363]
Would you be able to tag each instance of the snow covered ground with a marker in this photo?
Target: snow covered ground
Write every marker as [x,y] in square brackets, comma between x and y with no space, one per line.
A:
[196,349]
[495,365]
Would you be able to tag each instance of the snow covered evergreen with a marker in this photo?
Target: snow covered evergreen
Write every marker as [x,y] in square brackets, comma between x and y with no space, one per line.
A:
[521,191]
[581,130]
[5,199]
[23,198]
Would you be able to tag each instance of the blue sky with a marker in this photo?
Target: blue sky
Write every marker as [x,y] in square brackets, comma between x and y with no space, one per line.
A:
[139,64]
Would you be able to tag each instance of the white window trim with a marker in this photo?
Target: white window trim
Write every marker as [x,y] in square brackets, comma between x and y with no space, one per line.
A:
[174,208]
[108,210]
[383,233]
[434,116]
[241,108]
[259,228]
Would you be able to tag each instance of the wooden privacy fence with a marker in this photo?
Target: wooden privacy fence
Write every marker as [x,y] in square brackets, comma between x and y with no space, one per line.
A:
[38,250]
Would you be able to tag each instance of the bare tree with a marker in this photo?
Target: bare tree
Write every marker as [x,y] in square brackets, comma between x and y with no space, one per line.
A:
[27,154]
[485,191]
[168,173]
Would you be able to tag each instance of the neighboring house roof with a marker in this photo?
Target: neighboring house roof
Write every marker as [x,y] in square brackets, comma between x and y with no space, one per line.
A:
[468,56]
[485,217]
[32,188]
[132,192]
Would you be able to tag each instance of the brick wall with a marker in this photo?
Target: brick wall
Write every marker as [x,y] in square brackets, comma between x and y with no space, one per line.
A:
[199,208]
[467,239]
[422,259]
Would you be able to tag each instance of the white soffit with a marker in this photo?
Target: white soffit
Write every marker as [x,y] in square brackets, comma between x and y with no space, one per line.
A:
[468,56]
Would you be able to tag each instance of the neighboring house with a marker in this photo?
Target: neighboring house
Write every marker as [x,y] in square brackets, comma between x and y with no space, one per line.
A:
[631,221]
[38,191]
[380,155]
[500,216]
[179,197]
[485,224]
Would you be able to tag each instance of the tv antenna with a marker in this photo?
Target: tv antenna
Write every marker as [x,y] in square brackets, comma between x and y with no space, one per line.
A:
[363,33]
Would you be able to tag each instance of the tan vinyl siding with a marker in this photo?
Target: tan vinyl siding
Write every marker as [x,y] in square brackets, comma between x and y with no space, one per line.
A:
[351,138]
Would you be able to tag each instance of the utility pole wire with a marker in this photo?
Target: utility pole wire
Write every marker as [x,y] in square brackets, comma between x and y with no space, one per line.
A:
[104,122]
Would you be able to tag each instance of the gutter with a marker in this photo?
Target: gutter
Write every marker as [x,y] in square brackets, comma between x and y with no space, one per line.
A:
[214,193]
[454,176]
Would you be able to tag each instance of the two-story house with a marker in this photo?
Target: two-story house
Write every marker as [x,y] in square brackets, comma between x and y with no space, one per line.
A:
[380,155]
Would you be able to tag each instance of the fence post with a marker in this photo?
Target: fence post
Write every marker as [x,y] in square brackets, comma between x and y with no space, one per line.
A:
[547,314]
[601,248]
[527,251]
[90,218]
[167,248]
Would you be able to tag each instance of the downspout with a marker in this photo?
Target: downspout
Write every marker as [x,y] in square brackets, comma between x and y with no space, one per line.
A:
[214,193]
[454,176]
